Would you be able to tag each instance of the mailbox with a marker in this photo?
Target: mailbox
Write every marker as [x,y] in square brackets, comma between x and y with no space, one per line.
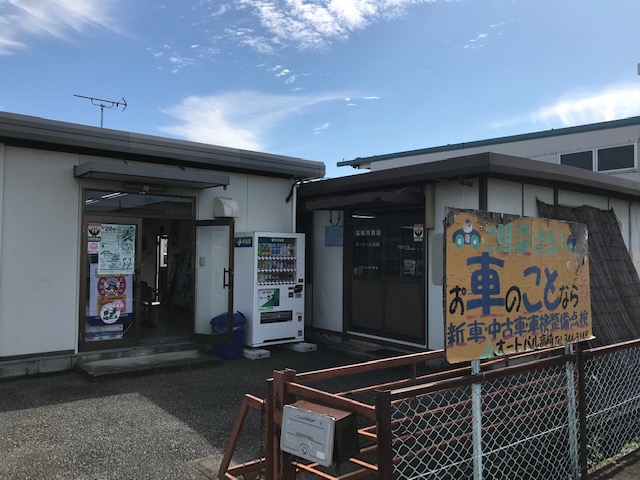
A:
[319,434]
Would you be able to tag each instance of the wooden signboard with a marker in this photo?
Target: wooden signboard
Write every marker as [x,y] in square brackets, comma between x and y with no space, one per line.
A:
[513,284]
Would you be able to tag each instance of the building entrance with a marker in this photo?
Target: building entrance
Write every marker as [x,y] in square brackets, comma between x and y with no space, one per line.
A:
[166,280]
[138,282]
[385,281]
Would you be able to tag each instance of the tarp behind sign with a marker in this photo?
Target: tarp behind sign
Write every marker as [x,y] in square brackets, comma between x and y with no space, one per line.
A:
[513,284]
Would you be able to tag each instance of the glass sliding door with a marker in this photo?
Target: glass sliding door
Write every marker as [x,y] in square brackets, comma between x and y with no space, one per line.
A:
[385,281]
[109,283]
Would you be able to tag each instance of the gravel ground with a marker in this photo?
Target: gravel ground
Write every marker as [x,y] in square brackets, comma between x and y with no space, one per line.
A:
[163,426]
[169,426]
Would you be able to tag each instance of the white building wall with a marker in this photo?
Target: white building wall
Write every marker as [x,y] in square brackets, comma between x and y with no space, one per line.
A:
[504,197]
[542,148]
[634,234]
[621,209]
[531,193]
[2,162]
[578,199]
[268,209]
[327,281]
[39,277]
[261,201]
[454,195]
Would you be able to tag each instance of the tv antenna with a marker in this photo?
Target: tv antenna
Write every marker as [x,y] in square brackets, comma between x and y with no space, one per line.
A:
[108,104]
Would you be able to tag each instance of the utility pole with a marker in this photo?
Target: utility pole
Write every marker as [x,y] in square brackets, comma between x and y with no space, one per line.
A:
[108,104]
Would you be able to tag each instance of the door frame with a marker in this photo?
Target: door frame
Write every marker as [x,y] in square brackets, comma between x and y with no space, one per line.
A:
[384,217]
[134,339]
[228,278]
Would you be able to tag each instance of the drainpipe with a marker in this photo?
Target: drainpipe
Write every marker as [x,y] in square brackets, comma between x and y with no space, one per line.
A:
[294,204]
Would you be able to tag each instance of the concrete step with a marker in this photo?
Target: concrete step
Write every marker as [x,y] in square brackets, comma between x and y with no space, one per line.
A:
[146,364]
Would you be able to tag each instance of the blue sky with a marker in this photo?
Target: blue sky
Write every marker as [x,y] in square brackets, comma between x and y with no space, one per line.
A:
[327,80]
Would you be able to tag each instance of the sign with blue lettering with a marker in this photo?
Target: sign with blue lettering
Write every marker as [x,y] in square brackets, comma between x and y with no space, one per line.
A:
[513,284]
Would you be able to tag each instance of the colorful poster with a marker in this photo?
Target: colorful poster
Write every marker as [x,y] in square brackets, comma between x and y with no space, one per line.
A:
[513,284]
[117,249]
[110,298]
[268,298]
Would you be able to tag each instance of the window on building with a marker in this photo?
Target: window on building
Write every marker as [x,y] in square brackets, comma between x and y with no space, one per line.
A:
[606,159]
[578,159]
[616,158]
[122,203]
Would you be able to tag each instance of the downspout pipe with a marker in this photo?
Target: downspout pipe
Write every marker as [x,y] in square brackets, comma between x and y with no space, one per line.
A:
[293,197]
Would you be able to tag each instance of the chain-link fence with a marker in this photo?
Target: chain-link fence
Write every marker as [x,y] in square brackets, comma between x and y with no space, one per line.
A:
[432,435]
[520,422]
[612,404]
[557,418]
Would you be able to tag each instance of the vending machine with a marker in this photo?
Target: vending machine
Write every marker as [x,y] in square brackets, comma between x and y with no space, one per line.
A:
[269,286]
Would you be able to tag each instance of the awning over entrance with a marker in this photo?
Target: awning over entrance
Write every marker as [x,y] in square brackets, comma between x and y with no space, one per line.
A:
[149,174]
[368,198]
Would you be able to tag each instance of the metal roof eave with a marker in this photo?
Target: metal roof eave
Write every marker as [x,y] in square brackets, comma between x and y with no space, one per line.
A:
[487,164]
[42,133]
[149,174]
[365,162]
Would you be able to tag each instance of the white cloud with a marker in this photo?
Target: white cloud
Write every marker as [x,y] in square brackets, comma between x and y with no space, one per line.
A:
[610,103]
[240,119]
[320,129]
[371,98]
[22,19]
[177,62]
[615,102]
[314,25]
[289,76]
[221,11]
[476,42]
[259,44]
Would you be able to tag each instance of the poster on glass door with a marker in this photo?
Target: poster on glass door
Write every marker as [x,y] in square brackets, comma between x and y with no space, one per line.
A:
[117,249]
[110,306]
[110,302]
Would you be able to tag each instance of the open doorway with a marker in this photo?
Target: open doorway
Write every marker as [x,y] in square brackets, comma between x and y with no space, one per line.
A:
[166,279]
[148,298]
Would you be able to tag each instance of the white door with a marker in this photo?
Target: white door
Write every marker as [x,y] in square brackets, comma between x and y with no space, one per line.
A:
[214,278]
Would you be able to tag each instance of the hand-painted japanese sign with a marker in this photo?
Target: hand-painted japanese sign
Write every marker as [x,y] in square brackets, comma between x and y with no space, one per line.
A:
[513,284]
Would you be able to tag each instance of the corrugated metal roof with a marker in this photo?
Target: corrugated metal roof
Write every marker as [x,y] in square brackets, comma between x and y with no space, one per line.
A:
[41,133]
[615,286]
[625,122]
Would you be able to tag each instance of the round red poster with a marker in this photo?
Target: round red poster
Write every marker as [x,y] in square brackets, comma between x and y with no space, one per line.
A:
[112,285]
